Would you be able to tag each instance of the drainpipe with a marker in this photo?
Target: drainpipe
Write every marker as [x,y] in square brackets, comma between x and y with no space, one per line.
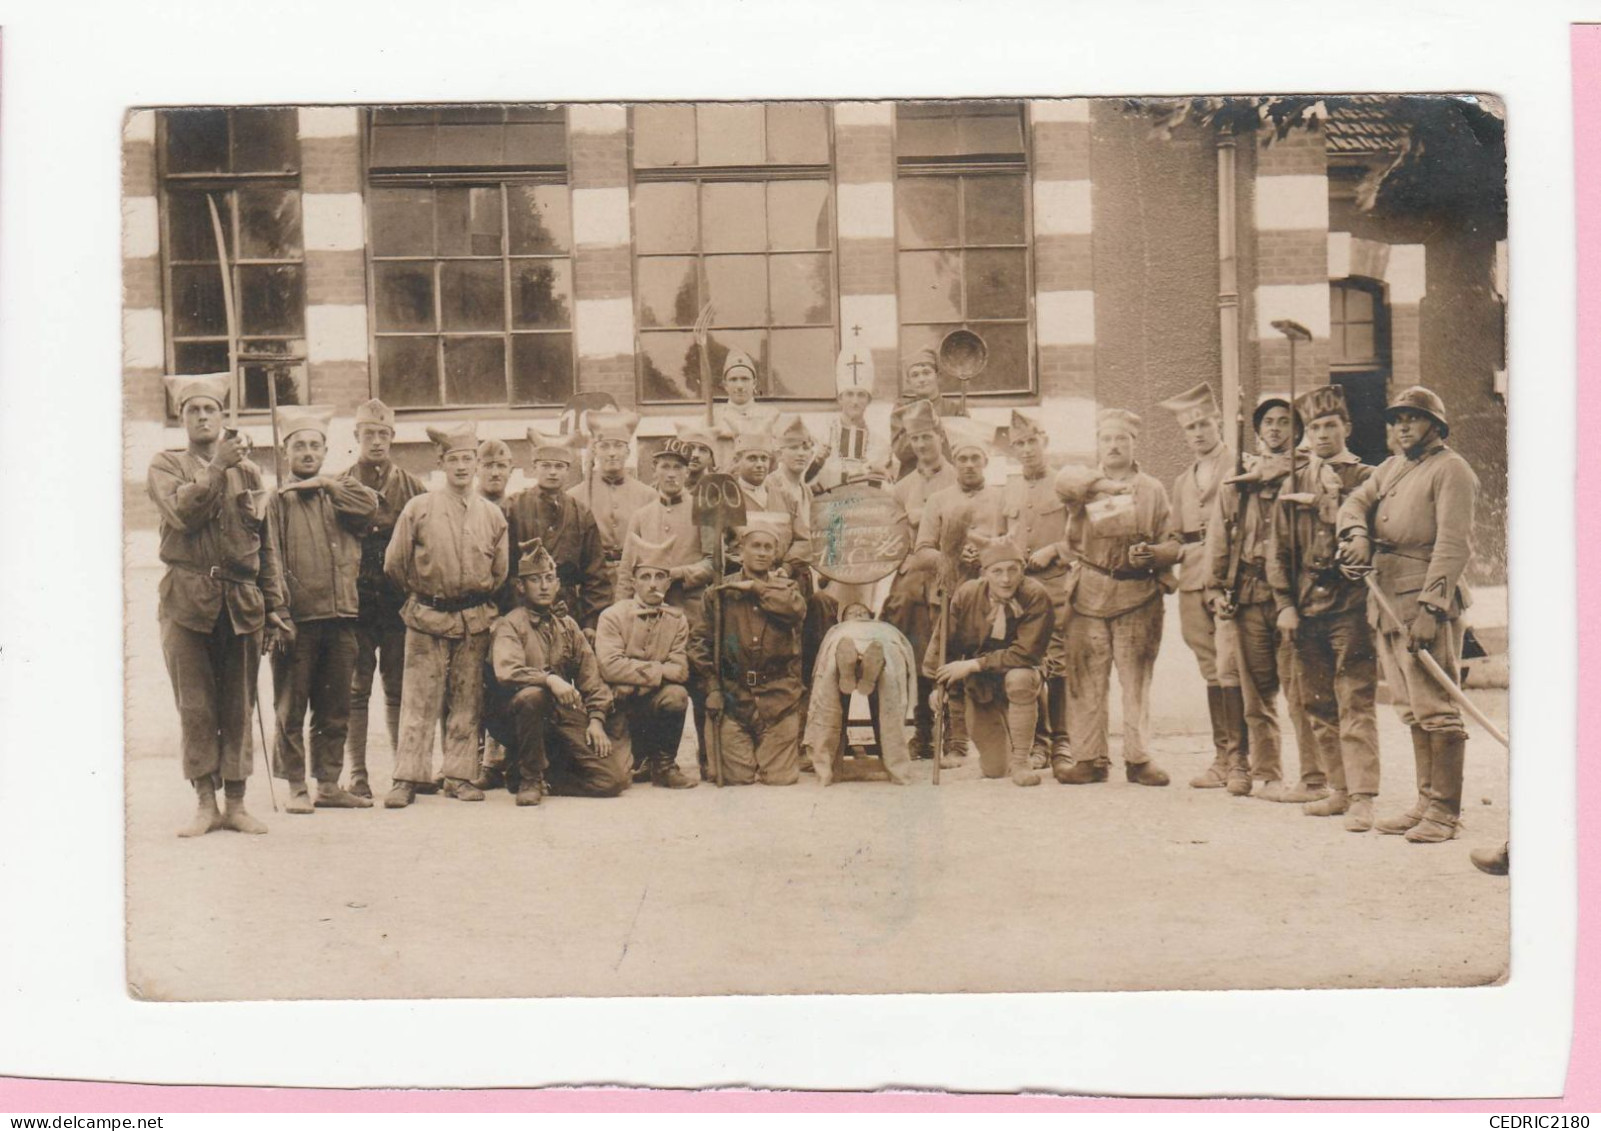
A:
[1228,282]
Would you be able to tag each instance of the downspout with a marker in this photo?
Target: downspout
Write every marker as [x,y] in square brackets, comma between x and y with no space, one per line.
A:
[1228,280]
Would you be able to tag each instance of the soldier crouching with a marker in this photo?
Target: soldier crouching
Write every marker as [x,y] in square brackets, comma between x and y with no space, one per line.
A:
[550,701]
[642,644]
[754,695]
[1000,630]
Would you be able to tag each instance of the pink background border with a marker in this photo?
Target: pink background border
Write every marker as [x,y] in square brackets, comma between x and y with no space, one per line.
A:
[1583,1090]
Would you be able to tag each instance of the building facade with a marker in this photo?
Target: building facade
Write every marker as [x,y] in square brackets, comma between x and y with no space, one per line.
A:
[494,262]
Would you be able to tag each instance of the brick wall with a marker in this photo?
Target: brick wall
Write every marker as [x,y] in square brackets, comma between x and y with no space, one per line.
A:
[864,155]
[1291,221]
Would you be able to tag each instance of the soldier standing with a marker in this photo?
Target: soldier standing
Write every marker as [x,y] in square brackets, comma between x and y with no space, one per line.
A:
[380,633]
[1116,515]
[955,523]
[1324,614]
[742,413]
[218,593]
[909,605]
[1194,507]
[494,472]
[1413,521]
[854,449]
[642,644]
[610,493]
[1037,519]
[669,521]
[312,525]
[753,460]
[551,703]
[1237,554]
[448,552]
[796,464]
[754,699]
[546,513]
[1000,630]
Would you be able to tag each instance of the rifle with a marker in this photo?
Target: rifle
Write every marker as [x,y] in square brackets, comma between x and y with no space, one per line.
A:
[944,693]
[1234,524]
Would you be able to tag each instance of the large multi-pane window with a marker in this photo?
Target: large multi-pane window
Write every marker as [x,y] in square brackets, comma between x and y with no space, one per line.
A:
[962,233]
[246,162]
[733,207]
[471,256]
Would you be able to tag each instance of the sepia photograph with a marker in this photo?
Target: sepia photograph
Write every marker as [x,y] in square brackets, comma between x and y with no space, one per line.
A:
[815,547]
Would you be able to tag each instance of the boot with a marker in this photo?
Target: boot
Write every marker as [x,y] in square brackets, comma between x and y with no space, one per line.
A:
[359,785]
[1334,805]
[1491,861]
[664,772]
[462,790]
[356,751]
[1145,773]
[330,796]
[401,794]
[489,777]
[1232,700]
[234,815]
[1298,794]
[1021,719]
[1215,776]
[207,818]
[299,798]
[1039,754]
[529,792]
[1423,760]
[846,660]
[1444,811]
[1056,716]
[1360,818]
[1078,773]
[955,754]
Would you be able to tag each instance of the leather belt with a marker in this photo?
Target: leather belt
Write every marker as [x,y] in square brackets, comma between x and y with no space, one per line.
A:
[213,572]
[1190,537]
[455,604]
[1380,546]
[1129,574]
[1254,569]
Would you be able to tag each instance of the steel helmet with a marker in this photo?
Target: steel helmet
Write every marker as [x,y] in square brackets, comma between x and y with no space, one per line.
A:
[1419,399]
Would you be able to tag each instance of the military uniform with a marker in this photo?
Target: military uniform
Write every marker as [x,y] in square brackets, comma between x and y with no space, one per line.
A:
[1266,662]
[612,501]
[449,553]
[547,739]
[1417,512]
[759,726]
[1338,668]
[644,658]
[380,633]
[1010,639]
[567,530]
[313,533]
[1115,615]
[736,420]
[899,435]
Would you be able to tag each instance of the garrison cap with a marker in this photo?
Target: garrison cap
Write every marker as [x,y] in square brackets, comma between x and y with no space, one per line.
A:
[752,442]
[493,449]
[186,387]
[1022,428]
[454,437]
[303,418]
[792,432]
[1118,418]
[375,412]
[653,555]
[964,433]
[534,559]
[921,357]
[775,523]
[916,416]
[738,359]
[1001,549]
[1193,404]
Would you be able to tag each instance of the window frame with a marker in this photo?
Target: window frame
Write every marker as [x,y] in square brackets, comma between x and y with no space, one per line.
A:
[961,168]
[228,184]
[762,174]
[468,177]
[1382,358]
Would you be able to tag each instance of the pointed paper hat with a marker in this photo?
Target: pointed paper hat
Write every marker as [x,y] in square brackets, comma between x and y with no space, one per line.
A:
[557,449]
[915,416]
[187,386]
[453,437]
[1118,418]
[303,418]
[534,559]
[610,425]
[655,555]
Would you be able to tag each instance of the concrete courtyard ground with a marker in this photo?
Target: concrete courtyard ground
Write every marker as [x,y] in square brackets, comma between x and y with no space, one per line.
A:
[864,887]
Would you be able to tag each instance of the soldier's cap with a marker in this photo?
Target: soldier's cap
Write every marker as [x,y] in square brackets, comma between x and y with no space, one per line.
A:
[854,370]
[1272,400]
[1120,419]
[303,418]
[747,442]
[1193,404]
[792,432]
[1325,400]
[1022,428]
[185,387]
[999,549]
[916,416]
[534,559]
[738,359]
[690,435]
[923,356]
[965,434]
[1419,399]
[610,424]
[651,555]
[454,437]
[375,412]
[764,522]
[672,450]
[494,449]
[555,449]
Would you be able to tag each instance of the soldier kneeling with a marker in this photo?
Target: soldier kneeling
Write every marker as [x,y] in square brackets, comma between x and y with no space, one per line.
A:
[1000,630]
[643,648]
[547,684]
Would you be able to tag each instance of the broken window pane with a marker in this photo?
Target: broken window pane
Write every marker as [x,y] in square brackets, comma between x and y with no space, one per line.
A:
[269,222]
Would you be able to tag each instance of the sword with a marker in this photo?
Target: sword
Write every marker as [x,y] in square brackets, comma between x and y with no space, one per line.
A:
[1432,666]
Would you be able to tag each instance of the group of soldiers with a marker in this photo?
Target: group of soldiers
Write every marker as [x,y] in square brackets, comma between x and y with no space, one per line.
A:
[556,640]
